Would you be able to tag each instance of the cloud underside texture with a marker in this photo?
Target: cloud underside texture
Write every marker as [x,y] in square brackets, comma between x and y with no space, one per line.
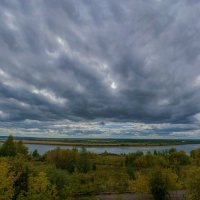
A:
[133,61]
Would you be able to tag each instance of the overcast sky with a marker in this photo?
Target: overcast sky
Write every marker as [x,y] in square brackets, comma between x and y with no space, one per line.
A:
[100,68]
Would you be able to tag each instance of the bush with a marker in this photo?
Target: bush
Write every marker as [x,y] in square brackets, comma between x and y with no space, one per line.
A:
[180,158]
[62,158]
[84,164]
[158,185]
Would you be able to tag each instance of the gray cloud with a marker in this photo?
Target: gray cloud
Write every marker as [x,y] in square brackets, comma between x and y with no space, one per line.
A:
[110,60]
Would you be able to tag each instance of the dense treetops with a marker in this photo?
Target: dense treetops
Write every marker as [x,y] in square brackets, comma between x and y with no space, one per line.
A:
[71,174]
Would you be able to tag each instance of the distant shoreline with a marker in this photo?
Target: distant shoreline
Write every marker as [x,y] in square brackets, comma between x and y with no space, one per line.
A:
[103,144]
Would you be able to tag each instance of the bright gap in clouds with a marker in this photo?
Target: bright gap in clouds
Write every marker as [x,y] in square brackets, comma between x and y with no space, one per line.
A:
[113,85]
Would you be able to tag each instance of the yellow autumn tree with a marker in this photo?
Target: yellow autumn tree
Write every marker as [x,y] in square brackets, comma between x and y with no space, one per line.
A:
[140,185]
[193,185]
[7,180]
[39,187]
[144,183]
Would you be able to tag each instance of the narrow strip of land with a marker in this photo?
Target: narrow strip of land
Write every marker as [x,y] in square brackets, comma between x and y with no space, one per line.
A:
[107,143]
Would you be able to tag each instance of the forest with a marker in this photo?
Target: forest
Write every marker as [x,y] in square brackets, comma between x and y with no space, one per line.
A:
[78,174]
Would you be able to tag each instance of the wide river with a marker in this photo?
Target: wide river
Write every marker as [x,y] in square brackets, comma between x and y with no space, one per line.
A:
[116,150]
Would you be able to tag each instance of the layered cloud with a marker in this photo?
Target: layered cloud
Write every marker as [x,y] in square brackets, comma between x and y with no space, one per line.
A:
[81,62]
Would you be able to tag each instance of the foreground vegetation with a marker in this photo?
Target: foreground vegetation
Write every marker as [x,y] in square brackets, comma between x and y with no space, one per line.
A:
[71,174]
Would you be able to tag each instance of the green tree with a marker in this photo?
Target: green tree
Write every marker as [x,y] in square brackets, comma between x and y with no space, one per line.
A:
[195,155]
[131,171]
[180,158]
[62,158]
[62,180]
[35,154]
[21,148]
[11,148]
[8,148]
[84,164]
[158,185]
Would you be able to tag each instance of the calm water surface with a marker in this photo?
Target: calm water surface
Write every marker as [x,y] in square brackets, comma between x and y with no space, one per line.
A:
[116,150]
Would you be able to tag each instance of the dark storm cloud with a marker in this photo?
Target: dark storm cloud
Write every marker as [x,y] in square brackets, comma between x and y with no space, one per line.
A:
[100,60]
